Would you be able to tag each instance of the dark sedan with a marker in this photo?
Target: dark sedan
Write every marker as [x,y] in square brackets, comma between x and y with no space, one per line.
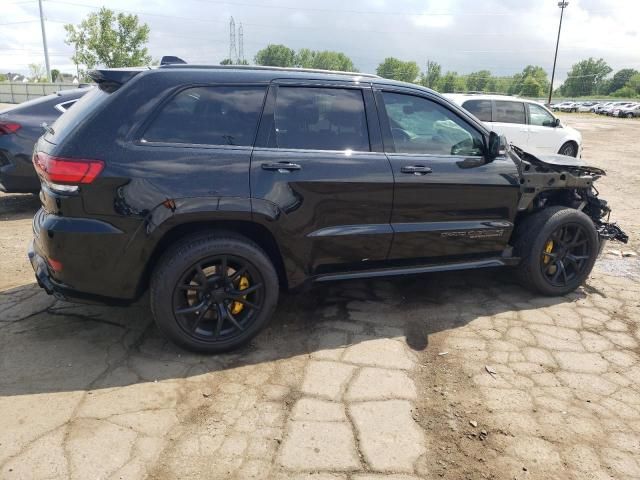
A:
[20,128]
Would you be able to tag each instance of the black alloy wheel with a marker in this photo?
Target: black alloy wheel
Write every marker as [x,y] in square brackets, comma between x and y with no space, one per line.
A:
[213,292]
[566,255]
[217,299]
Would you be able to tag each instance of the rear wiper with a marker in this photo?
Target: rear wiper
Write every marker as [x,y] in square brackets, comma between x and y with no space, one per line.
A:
[47,128]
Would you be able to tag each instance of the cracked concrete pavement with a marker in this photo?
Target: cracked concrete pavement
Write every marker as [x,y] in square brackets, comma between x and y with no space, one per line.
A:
[457,375]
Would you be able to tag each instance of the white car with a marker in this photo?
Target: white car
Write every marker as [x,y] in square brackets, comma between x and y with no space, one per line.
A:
[526,124]
[624,110]
[630,111]
[586,106]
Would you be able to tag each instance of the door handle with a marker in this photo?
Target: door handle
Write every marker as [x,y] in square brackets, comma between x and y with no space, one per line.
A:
[281,166]
[416,169]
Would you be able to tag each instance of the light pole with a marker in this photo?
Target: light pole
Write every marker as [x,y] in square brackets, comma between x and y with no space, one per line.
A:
[562,4]
[44,42]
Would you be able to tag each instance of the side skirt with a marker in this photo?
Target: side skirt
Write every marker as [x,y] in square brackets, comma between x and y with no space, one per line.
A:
[390,272]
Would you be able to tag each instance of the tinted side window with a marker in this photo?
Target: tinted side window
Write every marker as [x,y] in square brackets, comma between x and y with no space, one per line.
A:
[320,119]
[209,116]
[419,125]
[509,112]
[479,108]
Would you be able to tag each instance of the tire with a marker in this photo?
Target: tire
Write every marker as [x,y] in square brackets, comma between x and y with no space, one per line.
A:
[539,268]
[193,286]
[569,148]
[629,115]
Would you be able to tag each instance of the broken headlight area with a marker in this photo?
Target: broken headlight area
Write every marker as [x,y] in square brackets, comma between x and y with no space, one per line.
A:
[548,180]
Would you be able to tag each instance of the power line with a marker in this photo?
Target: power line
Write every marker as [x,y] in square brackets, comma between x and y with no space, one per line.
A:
[20,22]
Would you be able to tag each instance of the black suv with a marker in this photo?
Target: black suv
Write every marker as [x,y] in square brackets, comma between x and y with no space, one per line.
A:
[214,187]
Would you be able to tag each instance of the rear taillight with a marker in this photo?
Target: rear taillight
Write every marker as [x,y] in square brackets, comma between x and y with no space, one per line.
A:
[66,173]
[7,128]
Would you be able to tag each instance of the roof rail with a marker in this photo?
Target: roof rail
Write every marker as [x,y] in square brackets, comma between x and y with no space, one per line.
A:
[266,67]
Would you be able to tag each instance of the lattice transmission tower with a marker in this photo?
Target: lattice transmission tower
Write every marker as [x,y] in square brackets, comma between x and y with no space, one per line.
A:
[240,44]
[233,54]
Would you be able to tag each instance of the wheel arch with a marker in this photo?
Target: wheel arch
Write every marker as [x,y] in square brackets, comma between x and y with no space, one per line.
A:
[572,141]
[253,231]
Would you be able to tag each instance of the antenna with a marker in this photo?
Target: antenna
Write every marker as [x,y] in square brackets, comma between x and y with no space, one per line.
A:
[240,45]
[233,56]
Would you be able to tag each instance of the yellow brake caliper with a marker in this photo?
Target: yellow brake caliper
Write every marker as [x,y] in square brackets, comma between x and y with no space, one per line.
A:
[237,307]
[548,248]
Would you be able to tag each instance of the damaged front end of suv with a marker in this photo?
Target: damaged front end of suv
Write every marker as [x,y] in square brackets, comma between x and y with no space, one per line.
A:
[548,180]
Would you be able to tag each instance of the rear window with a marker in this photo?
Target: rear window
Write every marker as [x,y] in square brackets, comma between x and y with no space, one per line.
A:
[320,119]
[70,119]
[509,112]
[226,115]
[479,108]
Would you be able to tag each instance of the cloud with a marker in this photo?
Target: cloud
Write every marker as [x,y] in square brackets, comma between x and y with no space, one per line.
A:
[463,35]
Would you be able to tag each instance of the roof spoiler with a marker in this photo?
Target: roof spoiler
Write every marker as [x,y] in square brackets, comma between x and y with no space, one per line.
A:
[171,60]
[111,79]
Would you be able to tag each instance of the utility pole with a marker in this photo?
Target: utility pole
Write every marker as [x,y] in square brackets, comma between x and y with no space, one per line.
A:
[562,4]
[44,42]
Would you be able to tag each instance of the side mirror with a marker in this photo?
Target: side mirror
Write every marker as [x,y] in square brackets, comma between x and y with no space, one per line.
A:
[555,123]
[497,146]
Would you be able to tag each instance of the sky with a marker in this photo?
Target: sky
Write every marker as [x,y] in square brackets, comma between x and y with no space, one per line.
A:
[502,36]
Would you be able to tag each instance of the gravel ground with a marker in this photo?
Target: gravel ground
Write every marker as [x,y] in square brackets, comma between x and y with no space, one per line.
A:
[456,375]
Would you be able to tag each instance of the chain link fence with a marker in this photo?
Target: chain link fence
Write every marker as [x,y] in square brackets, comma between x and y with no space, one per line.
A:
[18,92]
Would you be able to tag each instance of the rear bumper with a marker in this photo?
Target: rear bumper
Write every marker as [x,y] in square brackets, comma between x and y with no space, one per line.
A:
[87,256]
[59,289]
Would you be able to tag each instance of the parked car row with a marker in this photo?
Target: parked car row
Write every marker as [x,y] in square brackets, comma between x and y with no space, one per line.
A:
[619,109]
[573,107]
[613,109]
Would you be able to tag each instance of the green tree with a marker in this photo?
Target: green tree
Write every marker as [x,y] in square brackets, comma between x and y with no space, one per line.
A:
[479,81]
[37,73]
[398,70]
[431,77]
[109,39]
[450,83]
[328,60]
[625,92]
[620,79]
[276,56]
[325,60]
[585,77]
[55,73]
[304,58]
[531,82]
[228,61]
[3,77]
[531,88]
[634,83]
